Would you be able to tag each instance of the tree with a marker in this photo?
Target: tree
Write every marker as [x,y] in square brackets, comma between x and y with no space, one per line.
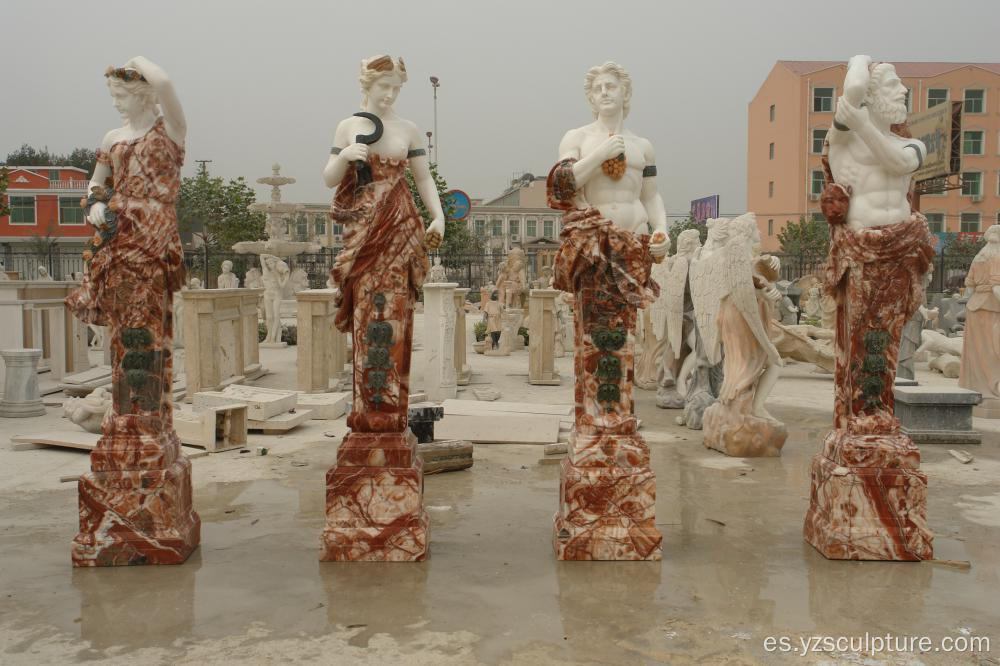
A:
[459,242]
[677,228]
[218,211]
[807,239]
[82,158]
[4,180]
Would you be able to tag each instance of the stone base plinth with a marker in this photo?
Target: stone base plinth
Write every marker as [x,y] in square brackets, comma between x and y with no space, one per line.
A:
[136,517]
[937,414]
[374,501]
[606,513]
[868,499]
[742,435]
[669,398]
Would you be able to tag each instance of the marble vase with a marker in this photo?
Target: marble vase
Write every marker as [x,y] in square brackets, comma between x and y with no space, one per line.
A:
[21,397]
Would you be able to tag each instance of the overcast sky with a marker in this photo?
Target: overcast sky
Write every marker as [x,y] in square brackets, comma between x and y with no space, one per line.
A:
[268,81]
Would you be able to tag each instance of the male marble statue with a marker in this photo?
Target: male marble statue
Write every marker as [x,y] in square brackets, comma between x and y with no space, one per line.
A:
[275,276]
[605,181]
[879,252]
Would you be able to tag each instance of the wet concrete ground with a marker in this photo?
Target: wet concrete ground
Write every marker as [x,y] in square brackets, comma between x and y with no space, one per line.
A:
[735,569]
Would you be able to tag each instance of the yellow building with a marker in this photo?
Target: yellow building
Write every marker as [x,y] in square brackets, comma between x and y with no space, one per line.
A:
[789,116]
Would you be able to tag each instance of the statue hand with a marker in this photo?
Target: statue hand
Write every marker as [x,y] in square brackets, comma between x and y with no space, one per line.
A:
[774,263]
[96,216]
[772,294]
[659,244]
[612,147]
[851,116]
[355,152]
[434,234]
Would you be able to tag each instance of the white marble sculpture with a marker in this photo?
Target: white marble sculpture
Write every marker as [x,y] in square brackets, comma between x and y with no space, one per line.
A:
[732,294]
[939,343]
[512,279]
[227,279]
[275,276]
[253,279]
[88,412]
[299,280]
[981,355]
[194,283]
[436,275]
[673,321]
[43,275]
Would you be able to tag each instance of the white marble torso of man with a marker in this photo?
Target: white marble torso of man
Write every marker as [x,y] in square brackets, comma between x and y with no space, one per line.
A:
[630,200]
[864,154]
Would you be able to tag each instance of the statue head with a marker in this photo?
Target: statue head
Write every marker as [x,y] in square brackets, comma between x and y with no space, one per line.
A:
[608,86]
[992,247]
[227,266]
[195,283]
[886,94]
[687,242]
[381,78]
[437,261]
[130,91]
[745,227]
[718,232]
[43,272]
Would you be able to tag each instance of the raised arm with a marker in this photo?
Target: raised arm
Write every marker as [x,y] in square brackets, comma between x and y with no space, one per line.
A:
[170,104]
[856,81]
[422,178]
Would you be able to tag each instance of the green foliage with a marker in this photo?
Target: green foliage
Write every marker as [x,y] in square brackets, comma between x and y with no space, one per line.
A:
[83,158]
[523,332]
[479,329]
[963,247]
[805,238]
[217,211]
[4,180]
[676,230]
[458,240]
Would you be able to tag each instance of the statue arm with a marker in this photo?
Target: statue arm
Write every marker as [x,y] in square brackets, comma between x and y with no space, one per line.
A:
[584,167]
[653,203]
[856,81]
[338,163]
[426,186]
[895,156]
[173,112]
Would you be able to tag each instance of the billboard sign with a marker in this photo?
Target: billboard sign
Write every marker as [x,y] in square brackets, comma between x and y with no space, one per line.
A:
[704,208]
[459,203]
[940,129]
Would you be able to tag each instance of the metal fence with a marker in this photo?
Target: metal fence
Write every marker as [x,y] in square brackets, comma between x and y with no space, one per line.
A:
[60,263]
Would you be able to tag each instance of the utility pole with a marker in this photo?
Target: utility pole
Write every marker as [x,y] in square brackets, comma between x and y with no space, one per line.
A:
[202,169]
[435,84]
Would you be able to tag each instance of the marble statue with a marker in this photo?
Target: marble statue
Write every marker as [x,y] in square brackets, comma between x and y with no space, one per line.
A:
[97,337]
[605,182]
[512,279]
[437,273]
[194,283]
[253,279]
[275,276]
[492,313]
[227,279]
[89,411]
[733,296]
[374,493]
[485,291]
[911,339]
[544,279]
[804,342]
[564,324]
[135,503]
[880,250]
[299,280]
[43,275]
[673,322]
[981,354]
[3,271]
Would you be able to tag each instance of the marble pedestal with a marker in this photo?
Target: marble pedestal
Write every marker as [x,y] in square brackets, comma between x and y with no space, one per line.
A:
[542,337]
[314,347]
[937,414]
[216,338]
[21,397]
[249,305]
[607,489]
[439,341]
[463,372]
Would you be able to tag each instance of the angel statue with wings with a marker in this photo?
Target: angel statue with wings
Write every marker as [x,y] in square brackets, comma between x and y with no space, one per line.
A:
[732,290]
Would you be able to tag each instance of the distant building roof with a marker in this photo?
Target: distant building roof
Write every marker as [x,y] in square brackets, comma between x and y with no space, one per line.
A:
[903,69]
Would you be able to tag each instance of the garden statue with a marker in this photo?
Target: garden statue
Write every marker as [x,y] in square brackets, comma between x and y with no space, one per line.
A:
[227,279]
[981,354]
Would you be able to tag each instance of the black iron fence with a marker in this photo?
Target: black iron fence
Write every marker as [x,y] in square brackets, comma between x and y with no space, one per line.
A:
[61,263]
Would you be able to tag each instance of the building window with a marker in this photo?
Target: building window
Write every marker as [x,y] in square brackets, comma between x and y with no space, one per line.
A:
[320,225]
[818,138]
[770,152]
[975,101]
[772,113]
[549,229]
[53,175]
[770,227]
[513,227]
[935,222]
[972,143]
[70,211]
[770,189]
[22,210]
[970,222]
[822,100]
[497,227]
[531,228]
[972,184]
[816,183]
[338,230]
[936,96]
[480,226]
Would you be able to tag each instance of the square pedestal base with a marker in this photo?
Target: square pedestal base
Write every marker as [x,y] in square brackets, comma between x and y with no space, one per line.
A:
[606,513]
[136,517]
[875,510]
[375,513]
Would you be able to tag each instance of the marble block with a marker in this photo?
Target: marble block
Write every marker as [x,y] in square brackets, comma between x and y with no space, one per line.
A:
[326,406]
[262,403]
[217,428]
[440,380]
[21,397]
[937,414]
[542,337]
[500,427]
[214,338]
[316,313]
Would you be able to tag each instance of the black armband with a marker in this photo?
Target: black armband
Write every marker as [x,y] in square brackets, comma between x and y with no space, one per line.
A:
[649,171]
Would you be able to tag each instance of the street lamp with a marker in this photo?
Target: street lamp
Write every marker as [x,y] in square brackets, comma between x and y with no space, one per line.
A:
[429,145]
[435,84]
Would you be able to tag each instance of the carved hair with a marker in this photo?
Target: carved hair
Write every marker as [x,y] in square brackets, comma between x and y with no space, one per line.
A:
[375,67]
[990,250]
[608,68]
[141,89]
[874,98]
[687,241]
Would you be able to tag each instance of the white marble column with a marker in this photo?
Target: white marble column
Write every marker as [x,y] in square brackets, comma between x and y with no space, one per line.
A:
[463,373]
[315,320]
[542,336]
[21,397]
[439,341]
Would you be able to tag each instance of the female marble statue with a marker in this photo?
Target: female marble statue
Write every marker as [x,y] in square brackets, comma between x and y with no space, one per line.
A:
[275,277]
[227,279]
[379,274]
[981,351]
[134,266]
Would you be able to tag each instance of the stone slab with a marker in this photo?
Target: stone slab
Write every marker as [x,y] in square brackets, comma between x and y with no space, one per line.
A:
[473,407]
[217,428]
[943,436]
[445,455]
[262,403]
[499,428]
[936,395]
[89,376]
[72,439]
[328,406]
[280,423]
